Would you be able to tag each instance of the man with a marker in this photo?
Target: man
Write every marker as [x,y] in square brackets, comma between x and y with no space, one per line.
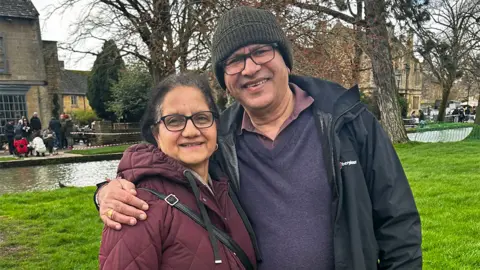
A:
[314,171]
[10,134]
[35,123]
[56,127]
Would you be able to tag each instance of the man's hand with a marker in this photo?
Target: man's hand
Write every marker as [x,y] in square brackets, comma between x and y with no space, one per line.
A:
[119,204]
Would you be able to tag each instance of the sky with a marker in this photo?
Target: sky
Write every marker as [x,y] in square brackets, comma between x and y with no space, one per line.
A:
[56,28]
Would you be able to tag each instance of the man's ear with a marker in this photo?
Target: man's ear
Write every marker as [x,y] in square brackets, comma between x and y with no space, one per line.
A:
[289,71]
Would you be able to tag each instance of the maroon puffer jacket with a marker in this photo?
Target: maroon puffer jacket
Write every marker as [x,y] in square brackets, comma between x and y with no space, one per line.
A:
[169,239]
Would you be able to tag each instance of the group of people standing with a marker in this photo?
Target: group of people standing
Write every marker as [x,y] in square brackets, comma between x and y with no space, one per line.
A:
[27,137]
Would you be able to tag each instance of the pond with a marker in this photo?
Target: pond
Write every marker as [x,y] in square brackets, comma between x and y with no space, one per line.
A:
[46,177]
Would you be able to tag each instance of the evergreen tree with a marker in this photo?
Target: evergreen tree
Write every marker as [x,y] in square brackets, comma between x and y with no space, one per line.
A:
[105,73]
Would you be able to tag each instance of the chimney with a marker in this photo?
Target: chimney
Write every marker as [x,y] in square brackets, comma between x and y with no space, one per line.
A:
[410,42]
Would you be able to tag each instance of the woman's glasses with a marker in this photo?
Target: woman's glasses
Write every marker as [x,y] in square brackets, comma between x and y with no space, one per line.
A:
[178,122]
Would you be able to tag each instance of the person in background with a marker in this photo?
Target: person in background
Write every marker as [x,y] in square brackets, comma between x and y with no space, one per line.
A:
[26,129]
[35,123]
[37,144]
[67,134]
[21,146]
[63,128]
[421,118]
[49,139]
[56,127]
[10,134]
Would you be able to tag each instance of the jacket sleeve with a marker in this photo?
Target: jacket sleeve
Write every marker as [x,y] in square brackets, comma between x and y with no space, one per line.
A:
[134,247]
[395,215]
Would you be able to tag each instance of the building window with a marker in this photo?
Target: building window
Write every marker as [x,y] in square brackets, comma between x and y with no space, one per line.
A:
[73,100]
[3,58]
[416,103]
[12,108]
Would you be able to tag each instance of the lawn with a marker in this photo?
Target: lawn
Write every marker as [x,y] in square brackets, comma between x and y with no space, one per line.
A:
[7,158]
[445,179]
[60,229]
[49,230]
[101,150]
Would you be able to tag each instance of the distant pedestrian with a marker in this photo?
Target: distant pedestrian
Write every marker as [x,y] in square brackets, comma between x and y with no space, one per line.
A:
[38,144]
[56,127]
[10,134]
[49,139]
[21,146]
[35,123]
[67,132]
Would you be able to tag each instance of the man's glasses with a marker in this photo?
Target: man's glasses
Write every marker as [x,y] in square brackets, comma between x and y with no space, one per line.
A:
[178,122]
[259,56]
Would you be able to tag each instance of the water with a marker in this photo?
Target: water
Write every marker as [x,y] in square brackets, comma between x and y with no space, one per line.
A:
[46,177]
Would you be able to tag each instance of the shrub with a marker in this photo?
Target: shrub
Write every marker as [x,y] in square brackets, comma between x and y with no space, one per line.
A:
[82,117]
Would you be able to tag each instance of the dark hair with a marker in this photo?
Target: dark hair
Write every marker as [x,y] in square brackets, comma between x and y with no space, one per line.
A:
[36,133]
[153,111]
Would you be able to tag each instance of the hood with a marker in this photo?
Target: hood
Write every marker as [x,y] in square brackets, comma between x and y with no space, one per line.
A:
[143,160]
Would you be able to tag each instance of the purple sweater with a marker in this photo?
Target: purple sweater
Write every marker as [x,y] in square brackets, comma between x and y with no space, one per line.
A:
[286,194]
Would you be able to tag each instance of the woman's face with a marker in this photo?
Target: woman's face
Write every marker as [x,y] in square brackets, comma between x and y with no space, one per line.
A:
[191,146]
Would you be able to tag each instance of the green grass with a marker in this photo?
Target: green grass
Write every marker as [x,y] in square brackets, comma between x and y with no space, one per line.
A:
[49,230]
[439,126]
[7,158]
[445,179]
[61,230]
[102,150]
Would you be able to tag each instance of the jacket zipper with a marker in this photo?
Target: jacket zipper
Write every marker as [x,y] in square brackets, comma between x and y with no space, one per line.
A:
[334,155]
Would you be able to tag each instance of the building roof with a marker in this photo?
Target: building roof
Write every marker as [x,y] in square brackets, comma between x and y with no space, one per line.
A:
[73,82]
[18,9]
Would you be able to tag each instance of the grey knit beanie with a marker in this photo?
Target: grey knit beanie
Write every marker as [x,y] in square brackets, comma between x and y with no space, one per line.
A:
[244,26]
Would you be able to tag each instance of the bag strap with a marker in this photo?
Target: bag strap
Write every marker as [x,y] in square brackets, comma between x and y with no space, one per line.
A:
[224,238]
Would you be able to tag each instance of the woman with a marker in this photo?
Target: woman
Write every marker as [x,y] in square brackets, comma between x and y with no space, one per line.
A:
[180,125]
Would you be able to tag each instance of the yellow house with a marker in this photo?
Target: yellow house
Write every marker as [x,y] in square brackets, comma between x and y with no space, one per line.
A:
[74,85]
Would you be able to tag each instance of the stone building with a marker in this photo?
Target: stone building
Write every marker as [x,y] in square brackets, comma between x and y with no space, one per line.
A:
[30,73]
[332,57]
[23,76]
[74,86]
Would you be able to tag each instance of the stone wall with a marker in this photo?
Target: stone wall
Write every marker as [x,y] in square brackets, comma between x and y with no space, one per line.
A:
[82,104]
[23,50]
[52,70]
[117,136]
[36,102]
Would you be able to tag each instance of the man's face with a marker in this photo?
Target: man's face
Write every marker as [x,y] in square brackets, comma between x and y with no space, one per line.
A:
[258,86]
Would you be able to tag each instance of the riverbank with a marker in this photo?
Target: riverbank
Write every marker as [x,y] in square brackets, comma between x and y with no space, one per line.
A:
[61,230]
[73,156]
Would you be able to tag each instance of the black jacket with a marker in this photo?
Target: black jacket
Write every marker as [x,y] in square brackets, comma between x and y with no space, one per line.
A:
[35,123]
[9,130]
[55,125]
[374,213]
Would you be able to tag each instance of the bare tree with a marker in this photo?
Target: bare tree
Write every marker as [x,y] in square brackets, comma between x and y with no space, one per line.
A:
[473,73]
[165,35]
[369,18]
[446,41]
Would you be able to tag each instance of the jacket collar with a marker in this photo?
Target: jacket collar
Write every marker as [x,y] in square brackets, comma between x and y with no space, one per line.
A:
[328,97]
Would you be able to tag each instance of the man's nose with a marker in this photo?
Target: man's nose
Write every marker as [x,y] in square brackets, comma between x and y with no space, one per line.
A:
[250,67]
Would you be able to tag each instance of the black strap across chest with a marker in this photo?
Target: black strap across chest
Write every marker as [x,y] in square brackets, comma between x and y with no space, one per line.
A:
[224,238]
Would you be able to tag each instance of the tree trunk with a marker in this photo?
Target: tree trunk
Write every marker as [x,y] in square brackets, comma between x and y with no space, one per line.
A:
[477,119]
[379,51]
[443,105]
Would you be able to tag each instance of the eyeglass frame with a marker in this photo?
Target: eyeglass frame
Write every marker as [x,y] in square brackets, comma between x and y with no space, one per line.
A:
[249,55]
[162,119]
